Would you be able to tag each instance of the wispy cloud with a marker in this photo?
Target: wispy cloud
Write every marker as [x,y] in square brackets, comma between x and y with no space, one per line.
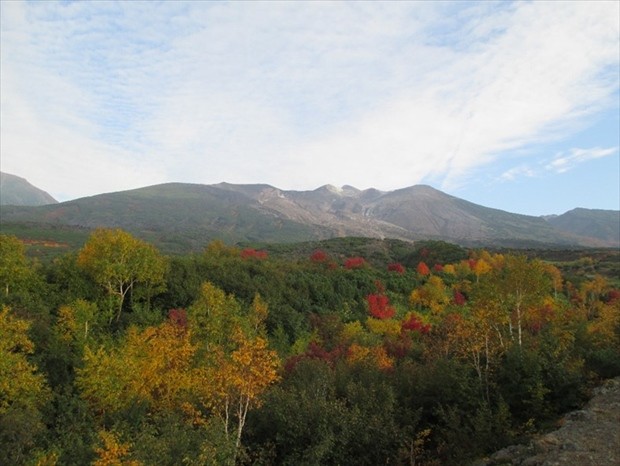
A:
[563,162]
[518,172]
[560,163]
[103,96]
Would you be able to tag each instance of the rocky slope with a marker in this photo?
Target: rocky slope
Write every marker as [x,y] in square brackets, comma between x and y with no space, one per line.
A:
[587,437]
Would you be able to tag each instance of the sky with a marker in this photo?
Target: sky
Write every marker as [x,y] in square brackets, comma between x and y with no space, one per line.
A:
[514,106]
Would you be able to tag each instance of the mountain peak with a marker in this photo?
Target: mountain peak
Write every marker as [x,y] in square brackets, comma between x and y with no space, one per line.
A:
[15,190]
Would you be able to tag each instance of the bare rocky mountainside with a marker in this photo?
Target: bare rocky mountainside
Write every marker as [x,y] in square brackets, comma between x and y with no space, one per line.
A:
[587,437]
[184,216]
[17,191]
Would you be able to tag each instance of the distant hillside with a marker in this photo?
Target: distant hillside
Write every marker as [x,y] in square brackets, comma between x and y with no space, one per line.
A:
[182,217]
[595,223]
[17,191]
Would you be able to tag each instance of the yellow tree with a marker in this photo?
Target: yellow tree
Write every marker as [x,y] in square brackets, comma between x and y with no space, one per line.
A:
[113,452]
[151,365]
[240,379]
[481,266]
[239,364]
[476,340]
[13,263]
[118,261]
[76,321]
[517,286]
[20,383]
[222,368]
[432,295]
[23,391]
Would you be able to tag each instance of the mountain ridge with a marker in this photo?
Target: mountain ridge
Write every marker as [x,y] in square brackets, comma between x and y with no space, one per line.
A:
[184,216]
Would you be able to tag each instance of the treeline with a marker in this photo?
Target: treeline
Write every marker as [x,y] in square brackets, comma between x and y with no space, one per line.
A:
[118,354]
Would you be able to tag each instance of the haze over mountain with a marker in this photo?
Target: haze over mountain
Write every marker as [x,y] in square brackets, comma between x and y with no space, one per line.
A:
[17,191]
[181,217]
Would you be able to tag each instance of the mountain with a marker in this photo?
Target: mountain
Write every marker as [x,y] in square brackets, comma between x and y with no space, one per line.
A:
[182,217]
[17,191]
[601,224]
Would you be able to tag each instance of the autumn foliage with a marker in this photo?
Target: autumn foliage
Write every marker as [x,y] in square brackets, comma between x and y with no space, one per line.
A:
[379,306]
[251,253]
[118,355]
[423,269]
[396,267]
[355,263]
[414,324]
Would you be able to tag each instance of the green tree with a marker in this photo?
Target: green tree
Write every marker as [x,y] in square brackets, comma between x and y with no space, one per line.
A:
[118,261]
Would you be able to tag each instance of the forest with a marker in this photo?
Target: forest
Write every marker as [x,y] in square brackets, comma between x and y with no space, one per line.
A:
[116,354]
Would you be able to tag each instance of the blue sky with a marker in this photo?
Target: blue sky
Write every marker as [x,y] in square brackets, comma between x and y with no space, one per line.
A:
[509,105]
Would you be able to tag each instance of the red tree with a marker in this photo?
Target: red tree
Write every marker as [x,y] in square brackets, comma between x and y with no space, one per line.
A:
[318,256]
[423,269]
[251,253]
[396,267]
[355,263]
[459,298]
[379,306]
[413,324]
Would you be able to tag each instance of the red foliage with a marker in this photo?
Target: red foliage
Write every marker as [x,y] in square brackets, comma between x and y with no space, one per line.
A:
[613,296]
[459,298]
[318,256]
[355,263]
[379,306]
[396,267]
[178,317]
[315,351]
[413,324]
[437,268]
[398,347]
[251,253]
[472,263]
[423,269]
[541,320]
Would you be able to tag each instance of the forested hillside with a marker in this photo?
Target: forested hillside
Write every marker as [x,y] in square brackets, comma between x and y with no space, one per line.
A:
[118,354]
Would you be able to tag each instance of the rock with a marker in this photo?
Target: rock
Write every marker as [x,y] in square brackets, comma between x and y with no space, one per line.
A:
[587,437]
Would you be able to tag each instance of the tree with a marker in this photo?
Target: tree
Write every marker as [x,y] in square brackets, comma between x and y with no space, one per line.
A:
[517,286]
[423,269]
[239,366]
[239,379]
[13,263]
[118,261]
[76,321]
[113,452]
[152,366]
[23,391]
[432,295]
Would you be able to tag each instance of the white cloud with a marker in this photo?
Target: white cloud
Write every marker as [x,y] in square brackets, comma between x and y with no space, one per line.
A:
[100,96]
[517,172]
[559,163]
[564,162]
